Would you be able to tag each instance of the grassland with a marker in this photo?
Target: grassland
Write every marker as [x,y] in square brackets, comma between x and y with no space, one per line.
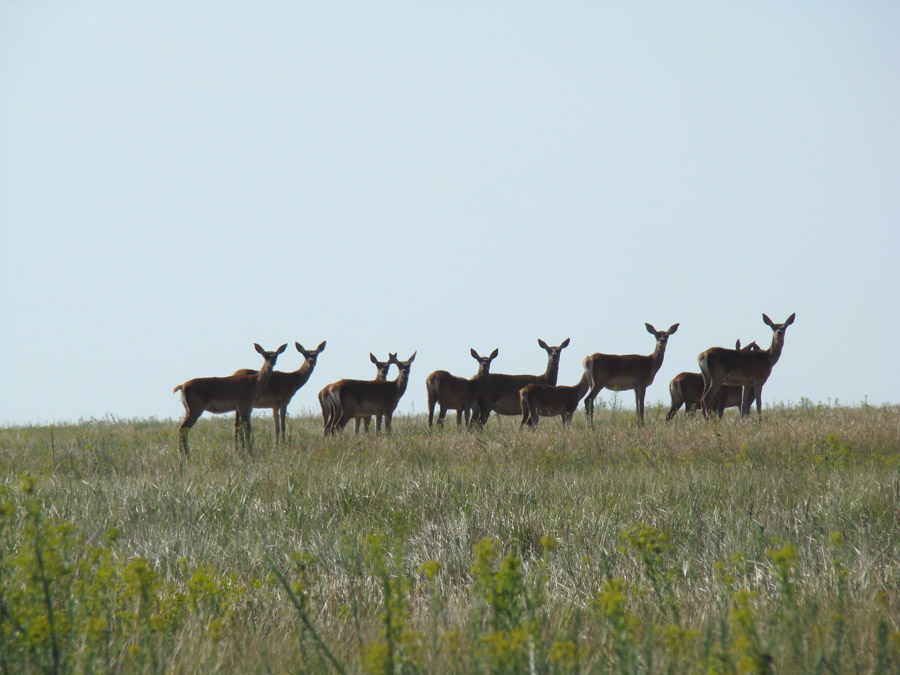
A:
[719,547]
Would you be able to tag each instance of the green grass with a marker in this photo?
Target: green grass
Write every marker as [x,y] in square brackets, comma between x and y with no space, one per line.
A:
[728,547]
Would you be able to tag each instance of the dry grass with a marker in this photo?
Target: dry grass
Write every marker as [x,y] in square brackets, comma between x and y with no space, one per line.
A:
[687,516]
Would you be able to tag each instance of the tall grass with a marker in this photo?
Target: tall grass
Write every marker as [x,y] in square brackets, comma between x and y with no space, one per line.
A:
[728,546]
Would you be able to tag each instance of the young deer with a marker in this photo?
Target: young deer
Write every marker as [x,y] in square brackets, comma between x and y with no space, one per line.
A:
[749,370]
[687,389]
[224,395]
[501,391]
[456,393]
[325,399]
[363,397]
[283,385]
[547,400]
[628,371]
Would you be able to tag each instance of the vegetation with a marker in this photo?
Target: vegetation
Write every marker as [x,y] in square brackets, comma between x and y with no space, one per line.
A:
[714,547]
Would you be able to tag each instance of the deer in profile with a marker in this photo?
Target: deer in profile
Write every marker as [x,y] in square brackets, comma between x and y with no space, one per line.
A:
[687,389]
[224,395]
[547,400]
[283,385]
[365,397]
[749,370]
[325,400]
[501,391]
[626,371]
[450,392]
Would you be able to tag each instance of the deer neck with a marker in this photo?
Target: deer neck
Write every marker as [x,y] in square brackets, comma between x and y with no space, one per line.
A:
[263,377]
[656,358]
[552,373]
[301,375]
[583,385]
[774,350]
[400,382]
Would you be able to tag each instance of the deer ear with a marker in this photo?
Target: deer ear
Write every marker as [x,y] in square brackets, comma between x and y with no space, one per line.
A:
[564,344]
[281,349]
[258,348]
[299,347]
[495,353]
[543,344]
[650,329]
[790,319]
[474,353]
[737,345]
[372,358]
[673,328]
[413,357]
[321,347]
[768,322]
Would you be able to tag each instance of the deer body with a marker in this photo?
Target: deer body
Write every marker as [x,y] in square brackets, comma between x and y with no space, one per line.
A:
[326,400]
[746,369]
[621,372]
[352,398]
[547,400]
[501,391]
[283,385]
[687,389]
[226,394]
[456,393]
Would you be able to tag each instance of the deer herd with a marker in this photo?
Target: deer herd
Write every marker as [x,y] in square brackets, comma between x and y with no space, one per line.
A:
[728,378]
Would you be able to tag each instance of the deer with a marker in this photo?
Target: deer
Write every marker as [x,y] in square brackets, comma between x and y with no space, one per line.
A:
[547,400]
[687,389]
[750,370]
[501,391]
[365,397]
[283,385]
[456,393]
[224,395]
[626,371]
[325,401]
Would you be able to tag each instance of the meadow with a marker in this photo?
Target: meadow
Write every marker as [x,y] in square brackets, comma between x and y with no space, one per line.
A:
[728,546]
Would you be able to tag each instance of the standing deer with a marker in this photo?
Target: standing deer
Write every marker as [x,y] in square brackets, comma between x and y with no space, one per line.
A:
[283,385]
[749,370]
[628,371]
[456,393]
[325,400]
[226,394]
[501,391]
[547,400]
[687,389]
[365,397]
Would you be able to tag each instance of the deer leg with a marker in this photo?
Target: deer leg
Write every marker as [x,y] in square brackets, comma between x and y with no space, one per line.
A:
[639,402]
[709,396]
[387,422]
[442,413]
[459,416]
[190,419]
[283,425]
[356,423]
[275,417]
[589,404]
[758,403]
[237,428]
[676,406]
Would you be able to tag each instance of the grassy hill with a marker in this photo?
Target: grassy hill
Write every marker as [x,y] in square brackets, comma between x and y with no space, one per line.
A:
[728,546]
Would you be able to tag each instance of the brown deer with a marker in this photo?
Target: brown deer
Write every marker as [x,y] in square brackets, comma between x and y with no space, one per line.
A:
[687,389]
[224,395]
[547,400]
[456,393]
[325,400]
[627,371]
[501,391]
[749,370]
[365,397]
[283,385]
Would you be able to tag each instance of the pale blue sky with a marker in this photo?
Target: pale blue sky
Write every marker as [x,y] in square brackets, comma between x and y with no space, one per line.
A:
[179,180]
